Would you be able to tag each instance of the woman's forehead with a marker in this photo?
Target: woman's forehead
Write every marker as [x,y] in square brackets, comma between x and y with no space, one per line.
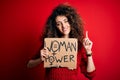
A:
[61,18]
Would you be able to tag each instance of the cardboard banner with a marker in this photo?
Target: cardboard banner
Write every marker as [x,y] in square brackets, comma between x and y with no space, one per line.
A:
[62,52]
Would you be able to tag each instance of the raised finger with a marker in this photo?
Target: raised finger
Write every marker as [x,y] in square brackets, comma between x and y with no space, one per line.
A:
[86,34]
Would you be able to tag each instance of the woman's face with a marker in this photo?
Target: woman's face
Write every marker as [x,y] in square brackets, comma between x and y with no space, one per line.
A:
[63,25]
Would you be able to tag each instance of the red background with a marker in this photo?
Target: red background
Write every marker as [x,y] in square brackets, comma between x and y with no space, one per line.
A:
[21,23]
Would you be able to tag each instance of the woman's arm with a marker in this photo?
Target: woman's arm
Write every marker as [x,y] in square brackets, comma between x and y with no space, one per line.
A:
[87,43]
[90,64]
[33,63]
[87,65]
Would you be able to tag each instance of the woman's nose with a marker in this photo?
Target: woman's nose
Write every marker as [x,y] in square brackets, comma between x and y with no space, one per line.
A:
[63,25]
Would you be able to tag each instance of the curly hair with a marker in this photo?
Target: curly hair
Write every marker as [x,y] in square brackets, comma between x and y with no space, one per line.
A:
[74,19]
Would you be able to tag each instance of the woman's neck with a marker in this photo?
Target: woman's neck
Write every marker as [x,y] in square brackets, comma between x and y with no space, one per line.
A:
[65,36]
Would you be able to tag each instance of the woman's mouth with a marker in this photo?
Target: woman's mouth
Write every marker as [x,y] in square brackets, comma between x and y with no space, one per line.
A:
[65,29]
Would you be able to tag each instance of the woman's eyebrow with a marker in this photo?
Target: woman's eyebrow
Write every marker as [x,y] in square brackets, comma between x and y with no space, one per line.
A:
[65,19]
[58,21]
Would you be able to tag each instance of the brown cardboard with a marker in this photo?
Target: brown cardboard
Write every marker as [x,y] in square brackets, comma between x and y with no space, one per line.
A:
[62,52]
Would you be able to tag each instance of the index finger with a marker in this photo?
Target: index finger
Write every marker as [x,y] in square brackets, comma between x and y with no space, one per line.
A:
[86,34]
[44,48]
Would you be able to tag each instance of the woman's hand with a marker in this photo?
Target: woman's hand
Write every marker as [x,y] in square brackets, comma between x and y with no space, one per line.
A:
[43,53]
[87,43]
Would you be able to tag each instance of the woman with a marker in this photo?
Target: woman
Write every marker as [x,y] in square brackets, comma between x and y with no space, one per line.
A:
[64,22]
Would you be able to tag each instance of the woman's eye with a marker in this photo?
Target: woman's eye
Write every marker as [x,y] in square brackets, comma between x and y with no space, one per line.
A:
[58,24]
[66,21]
